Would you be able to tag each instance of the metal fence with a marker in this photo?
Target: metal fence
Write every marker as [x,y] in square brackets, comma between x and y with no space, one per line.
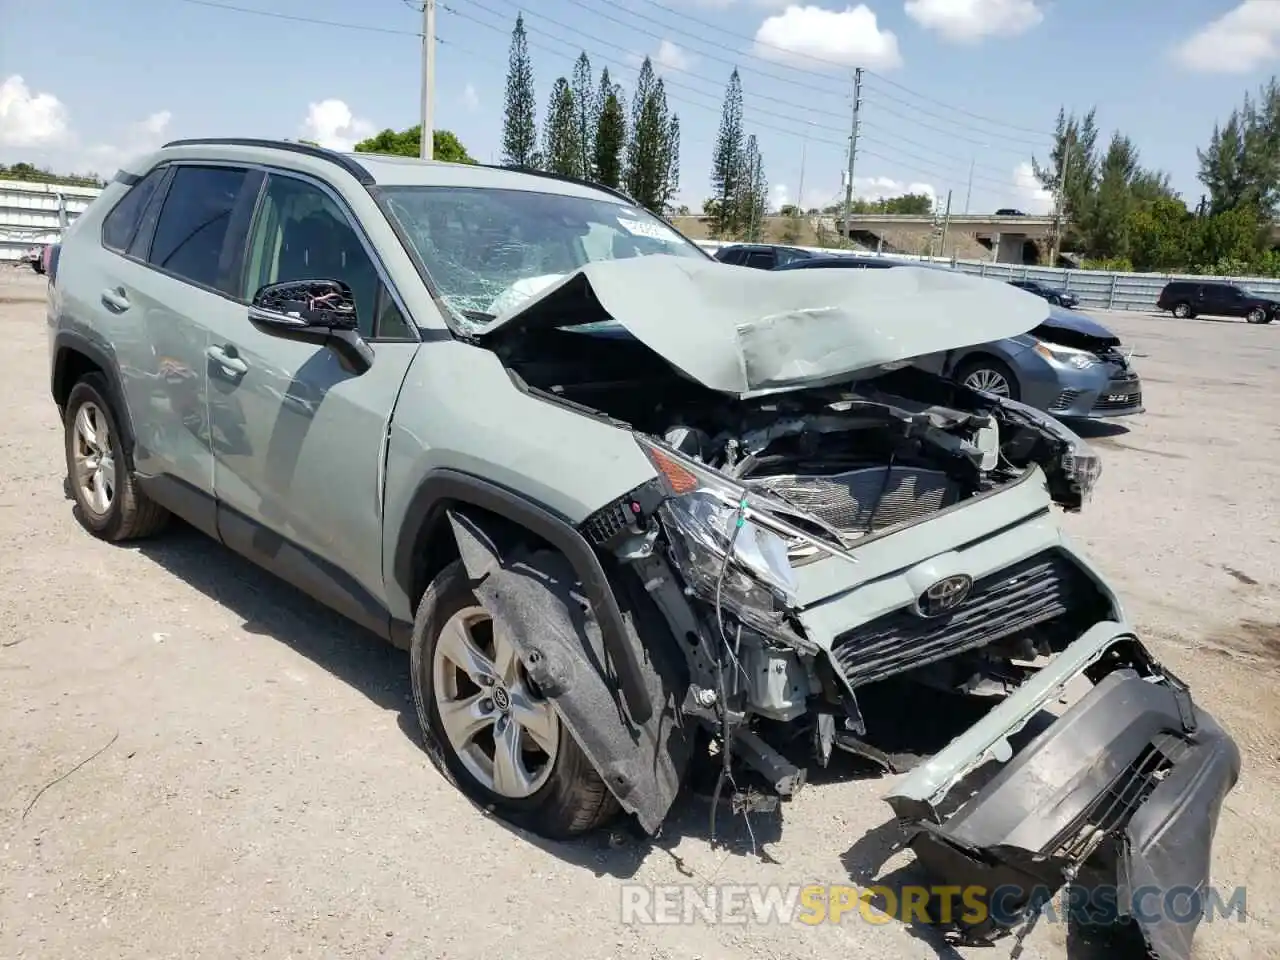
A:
[1100,289]
[34,213]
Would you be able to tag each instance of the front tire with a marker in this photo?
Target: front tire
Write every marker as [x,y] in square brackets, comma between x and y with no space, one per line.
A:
[1258,315]
[486,726]
[110,504]
[990,375]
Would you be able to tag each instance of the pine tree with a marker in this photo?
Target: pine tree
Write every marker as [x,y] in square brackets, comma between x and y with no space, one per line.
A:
[519,122]
[650,162]
[726,161]
[749,203]
[561,148]
[611,133]
[584,105]
[671,150]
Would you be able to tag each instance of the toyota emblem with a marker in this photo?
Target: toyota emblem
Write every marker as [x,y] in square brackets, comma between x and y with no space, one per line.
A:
[944,596]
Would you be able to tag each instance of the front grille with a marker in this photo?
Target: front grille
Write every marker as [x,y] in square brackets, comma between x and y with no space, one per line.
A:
[1006,603]
[1118,397]
[866,499]
[1065,399]
[1114,807]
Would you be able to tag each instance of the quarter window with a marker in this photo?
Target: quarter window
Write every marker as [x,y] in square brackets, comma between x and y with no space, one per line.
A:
[301,234]
[122,222]
[193,224]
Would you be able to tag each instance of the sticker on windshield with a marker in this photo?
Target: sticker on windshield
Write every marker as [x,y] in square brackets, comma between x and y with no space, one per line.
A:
[645,228]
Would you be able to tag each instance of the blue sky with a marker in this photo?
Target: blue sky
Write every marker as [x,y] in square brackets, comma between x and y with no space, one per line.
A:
[125,75]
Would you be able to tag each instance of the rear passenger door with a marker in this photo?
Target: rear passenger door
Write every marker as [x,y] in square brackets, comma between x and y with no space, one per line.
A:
[170,277]
[300,445]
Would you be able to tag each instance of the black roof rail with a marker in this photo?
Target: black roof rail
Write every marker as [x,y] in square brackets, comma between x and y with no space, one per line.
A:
[563,177]
[292,146]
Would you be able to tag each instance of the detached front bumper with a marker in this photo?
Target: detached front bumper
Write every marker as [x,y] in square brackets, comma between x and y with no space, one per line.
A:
[1131,777]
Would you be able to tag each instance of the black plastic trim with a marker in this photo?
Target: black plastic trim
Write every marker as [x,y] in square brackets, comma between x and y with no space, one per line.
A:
[320,153]
[443,488]
[127,178]
[184,500]
[103,356]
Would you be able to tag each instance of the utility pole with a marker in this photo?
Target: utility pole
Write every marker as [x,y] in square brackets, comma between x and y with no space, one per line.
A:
[804,150]
[428,78]
[853,148]
[1058,201]
[946,224]
[756,200]
[968,194]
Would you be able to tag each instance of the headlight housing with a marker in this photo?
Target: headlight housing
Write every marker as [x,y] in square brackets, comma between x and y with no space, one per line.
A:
[1080,464]
[1067,356]
[723,555]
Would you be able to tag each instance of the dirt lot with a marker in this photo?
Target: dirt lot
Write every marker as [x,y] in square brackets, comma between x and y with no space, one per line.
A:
[256,787]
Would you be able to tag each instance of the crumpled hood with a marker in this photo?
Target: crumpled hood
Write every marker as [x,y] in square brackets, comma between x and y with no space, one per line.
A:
[1063,319]
[752,332]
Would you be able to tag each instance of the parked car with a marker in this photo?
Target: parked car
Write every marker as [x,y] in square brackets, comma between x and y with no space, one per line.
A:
[1055,295]
[762,256]
[1069,364]
[1216,298]
[618,504]
[34,257]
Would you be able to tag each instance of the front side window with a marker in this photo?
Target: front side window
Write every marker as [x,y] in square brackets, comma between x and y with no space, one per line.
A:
[301,234]
[121,223]
[486,250]
[193,224]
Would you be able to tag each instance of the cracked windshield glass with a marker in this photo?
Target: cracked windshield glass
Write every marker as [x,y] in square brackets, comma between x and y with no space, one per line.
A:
[487,250]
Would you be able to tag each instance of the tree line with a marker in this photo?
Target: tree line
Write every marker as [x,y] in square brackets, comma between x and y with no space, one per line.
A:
[587,131]
[1121,214]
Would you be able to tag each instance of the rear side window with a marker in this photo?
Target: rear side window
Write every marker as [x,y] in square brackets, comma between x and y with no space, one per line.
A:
[122,222]
[761,259]
[193,224]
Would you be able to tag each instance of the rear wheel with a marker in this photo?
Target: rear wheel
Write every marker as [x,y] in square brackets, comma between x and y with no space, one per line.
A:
[1258,315]
[488,728]
[1182,310]
[990,375]
[111,506]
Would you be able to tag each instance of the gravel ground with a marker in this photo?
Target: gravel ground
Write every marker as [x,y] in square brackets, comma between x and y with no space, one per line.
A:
[256,787]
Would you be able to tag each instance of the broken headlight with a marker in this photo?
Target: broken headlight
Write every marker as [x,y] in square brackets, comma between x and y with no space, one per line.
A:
[1079,463]
[723,554]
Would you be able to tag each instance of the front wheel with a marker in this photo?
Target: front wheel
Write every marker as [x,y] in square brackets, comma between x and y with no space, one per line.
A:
[990,375]
[1258,315]
[486,725]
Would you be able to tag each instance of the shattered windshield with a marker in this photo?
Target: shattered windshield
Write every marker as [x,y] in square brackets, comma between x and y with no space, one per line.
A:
[486,250]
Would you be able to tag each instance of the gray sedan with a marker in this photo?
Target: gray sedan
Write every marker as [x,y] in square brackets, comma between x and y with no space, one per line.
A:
[1070,365]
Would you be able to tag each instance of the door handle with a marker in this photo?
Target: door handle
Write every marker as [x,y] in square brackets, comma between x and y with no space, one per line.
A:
[228,360]
[115,300]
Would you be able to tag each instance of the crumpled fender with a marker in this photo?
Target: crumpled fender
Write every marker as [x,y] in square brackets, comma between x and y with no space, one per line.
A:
[536,601]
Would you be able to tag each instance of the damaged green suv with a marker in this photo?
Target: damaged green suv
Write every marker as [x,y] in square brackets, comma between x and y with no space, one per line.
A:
[622,502]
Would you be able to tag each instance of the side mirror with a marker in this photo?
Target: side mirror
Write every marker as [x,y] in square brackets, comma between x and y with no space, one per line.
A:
[322,312]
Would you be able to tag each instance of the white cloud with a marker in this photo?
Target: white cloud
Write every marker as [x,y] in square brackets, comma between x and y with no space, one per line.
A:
[668,55]
[886,188]
[814,37]
[331,124]
[778,196]
[139,138]
[1032,197]
[967,21]
[29,119]
[1239,41]
[470,99]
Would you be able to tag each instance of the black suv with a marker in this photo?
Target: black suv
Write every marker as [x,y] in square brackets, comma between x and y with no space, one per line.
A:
[1194,298]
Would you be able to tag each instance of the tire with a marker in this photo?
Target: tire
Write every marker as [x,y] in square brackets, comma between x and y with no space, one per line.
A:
[570,798]
[126,513]
[1182,311]
[989,370]
[1258,315]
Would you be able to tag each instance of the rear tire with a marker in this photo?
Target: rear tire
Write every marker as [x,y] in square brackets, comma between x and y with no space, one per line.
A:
[1182,311]
[110,505]
[568,797]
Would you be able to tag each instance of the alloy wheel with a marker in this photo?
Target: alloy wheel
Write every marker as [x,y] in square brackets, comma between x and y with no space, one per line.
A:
[505,733]
[95,466]
[991,381]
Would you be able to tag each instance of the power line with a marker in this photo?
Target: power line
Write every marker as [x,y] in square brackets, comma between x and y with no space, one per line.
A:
[967,113]
[879,133]
[314,20]
[1042,142]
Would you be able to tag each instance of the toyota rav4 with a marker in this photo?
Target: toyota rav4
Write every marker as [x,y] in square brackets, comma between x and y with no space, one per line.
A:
[631,510]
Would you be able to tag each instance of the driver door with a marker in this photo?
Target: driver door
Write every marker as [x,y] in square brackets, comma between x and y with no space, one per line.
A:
[299,438]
